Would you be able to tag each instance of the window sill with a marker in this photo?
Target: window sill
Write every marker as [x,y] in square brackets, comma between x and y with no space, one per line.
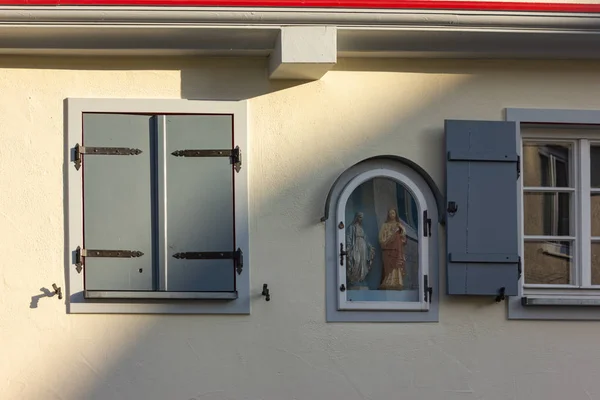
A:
[555,308]
[100,294]
[559,301]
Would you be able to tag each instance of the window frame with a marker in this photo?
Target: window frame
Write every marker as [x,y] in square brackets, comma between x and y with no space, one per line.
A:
[423,243]
[76,302]
[561,302]
[421,180]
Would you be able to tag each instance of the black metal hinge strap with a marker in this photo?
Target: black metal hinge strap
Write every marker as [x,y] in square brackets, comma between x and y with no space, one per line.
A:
[237,256]
[105,151]
[518,167]
[81,253]
[235,155]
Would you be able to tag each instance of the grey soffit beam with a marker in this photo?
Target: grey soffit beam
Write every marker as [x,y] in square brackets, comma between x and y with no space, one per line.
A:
[253,41]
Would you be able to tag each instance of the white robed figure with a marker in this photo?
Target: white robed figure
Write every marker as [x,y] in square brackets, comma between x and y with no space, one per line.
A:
[360,253]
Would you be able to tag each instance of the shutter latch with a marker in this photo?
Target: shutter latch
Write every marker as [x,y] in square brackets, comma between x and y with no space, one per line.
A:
[426,224]
[235,155]
[106,151]
[428,290]
[342,253]
[520,267]
[80,254]
[518,167]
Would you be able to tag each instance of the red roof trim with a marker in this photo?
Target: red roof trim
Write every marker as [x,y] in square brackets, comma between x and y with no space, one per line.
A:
[367,4]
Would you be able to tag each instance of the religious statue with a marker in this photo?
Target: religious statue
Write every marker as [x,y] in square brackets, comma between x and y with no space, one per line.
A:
[392,239]
[360,252]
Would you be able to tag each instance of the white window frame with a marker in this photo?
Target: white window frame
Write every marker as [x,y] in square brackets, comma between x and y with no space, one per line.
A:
[76,303]
[423,243]
[581,300]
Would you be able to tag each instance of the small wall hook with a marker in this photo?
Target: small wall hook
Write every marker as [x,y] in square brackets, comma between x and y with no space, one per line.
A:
[57,290]
[265,292]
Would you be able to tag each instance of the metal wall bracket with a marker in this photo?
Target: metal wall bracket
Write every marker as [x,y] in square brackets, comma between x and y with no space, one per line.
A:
[106,151]
[81,253]
[237,257]
[235,155]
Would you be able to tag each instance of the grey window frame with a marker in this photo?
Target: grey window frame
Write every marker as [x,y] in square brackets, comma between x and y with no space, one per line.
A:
[333,314]
[550,306]
[76,303]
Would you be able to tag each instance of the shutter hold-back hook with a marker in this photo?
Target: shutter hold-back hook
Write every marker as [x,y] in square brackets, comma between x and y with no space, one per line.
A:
[501,294]
[265,292]
[57,290]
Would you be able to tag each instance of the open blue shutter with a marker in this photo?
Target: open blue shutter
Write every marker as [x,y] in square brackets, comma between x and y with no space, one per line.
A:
[481,192]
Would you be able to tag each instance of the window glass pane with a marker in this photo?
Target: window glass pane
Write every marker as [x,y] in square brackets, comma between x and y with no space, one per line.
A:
[548,262]
[595,263]
[547,214]
[382,263]
[595,166]
[546,164]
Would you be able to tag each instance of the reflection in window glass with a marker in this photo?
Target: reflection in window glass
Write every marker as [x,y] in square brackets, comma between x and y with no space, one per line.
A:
[548,262]
[595,211]
[382,262]
[547,214]
[595,263]
[595,166]
[546,165]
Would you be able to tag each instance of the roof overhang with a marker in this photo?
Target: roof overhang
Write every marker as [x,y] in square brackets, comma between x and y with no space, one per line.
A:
[302,43]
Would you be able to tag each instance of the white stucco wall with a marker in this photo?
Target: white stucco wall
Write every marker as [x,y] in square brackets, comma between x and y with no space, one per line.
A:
[302,137]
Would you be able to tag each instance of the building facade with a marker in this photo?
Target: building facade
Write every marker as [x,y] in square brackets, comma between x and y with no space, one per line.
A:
[299,201]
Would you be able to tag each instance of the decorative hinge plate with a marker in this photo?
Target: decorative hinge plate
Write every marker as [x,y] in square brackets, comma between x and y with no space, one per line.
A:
[80,254]
[106,151]
[235,155]
[237,257]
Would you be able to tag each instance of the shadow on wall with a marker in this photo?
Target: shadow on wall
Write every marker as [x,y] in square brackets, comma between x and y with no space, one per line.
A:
[303,135]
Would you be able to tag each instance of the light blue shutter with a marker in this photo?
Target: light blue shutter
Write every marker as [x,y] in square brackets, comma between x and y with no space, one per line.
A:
[199,203]
[482,233]
[117,202]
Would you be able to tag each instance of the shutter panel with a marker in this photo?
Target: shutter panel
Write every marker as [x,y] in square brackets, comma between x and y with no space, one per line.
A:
[199,203]
[117,194]
[482,235]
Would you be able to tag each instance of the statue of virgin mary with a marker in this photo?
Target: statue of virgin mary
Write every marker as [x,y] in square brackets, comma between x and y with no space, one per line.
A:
[360,253]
